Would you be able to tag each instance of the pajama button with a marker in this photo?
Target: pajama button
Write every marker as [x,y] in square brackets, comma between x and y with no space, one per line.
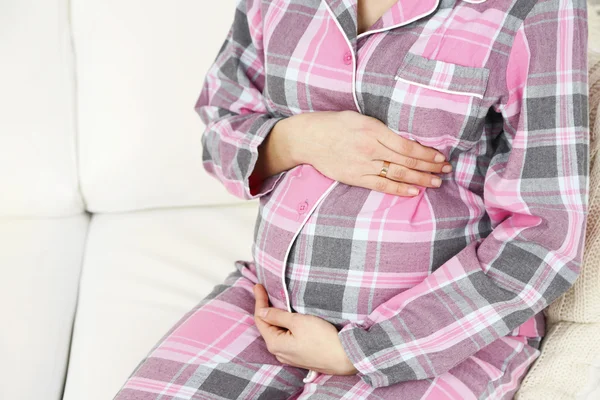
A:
[302,207]
[348,58]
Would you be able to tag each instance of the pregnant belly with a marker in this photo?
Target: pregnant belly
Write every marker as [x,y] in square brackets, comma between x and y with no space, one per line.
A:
[339,251]
[358,249]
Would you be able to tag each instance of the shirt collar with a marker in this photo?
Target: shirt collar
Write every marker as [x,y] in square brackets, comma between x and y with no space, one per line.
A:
[401,13]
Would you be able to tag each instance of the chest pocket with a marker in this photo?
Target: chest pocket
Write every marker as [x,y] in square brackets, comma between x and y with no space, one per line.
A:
[437,103]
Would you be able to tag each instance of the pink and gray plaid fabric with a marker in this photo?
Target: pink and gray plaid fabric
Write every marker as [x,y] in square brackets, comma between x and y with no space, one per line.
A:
[416,285]
[216,352]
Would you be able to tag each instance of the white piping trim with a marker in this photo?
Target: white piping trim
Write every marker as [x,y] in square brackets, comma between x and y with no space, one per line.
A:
[474,1]
[330,188]
[287,296]
[310,376]
[351,52]
[287,253]
[402,23]
[439,89]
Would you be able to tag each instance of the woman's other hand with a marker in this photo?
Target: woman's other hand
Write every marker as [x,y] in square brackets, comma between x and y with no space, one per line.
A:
[351,147]
[300,340]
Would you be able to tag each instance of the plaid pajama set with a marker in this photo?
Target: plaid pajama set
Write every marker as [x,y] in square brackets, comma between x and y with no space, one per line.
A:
[437,296]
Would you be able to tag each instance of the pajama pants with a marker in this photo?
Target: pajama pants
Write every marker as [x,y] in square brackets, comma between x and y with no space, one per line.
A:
[216,352]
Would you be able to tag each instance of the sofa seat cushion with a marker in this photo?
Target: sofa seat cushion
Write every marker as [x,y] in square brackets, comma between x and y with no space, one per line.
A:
[40,262]
[143,271]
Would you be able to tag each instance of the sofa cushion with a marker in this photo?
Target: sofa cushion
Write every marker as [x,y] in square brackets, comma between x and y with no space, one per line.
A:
[140,68]
[142,272]
[37,125]
[40,264]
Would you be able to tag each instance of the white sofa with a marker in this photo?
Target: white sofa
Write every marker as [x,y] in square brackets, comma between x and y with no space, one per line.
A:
[107,217]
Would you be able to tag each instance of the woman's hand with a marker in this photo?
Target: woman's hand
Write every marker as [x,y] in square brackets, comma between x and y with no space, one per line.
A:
[300,340]
[351,147]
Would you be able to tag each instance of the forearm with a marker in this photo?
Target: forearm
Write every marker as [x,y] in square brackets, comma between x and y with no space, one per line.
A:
[278,152]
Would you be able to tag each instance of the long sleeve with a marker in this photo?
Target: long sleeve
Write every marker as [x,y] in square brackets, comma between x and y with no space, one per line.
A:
[232,106]
[536,195]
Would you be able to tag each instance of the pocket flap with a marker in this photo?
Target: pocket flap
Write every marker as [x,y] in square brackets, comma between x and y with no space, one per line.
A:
[443,76]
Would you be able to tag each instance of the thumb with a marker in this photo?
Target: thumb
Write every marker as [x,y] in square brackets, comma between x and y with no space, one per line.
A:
[276,316]
[261,297]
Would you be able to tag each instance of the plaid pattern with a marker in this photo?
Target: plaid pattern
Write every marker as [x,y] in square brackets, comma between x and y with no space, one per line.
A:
[446,77]
[415,285]
[216,352]
[213,352]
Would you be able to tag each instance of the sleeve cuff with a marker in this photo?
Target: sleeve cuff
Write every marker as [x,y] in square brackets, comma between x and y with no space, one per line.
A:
[351,336]
[254,189]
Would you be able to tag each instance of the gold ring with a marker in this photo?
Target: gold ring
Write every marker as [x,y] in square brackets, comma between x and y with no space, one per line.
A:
[384,169]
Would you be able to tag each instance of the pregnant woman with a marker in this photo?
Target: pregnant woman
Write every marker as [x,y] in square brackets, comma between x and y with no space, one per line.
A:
[421,168]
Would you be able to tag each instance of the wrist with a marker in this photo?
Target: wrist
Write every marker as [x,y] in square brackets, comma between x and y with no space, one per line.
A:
[348,367]
[294,134]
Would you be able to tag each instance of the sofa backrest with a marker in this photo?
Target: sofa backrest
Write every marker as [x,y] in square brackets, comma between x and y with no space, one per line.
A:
[140,67]
[38,157]
[101,108]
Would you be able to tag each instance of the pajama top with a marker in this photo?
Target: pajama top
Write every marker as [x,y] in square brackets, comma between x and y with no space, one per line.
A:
[415,285]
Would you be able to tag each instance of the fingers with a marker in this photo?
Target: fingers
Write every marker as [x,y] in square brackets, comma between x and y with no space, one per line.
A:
[407,147]
[262,302]
[402,145]
[386,185]
[261,296]
[273,316]
[278,317]
[275,337]
[403,174]
[410,160]
[284,360]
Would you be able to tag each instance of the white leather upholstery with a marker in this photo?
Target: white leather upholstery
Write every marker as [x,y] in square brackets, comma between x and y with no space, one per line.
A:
[140,67]
[37,119]
[40,263]
[142,272]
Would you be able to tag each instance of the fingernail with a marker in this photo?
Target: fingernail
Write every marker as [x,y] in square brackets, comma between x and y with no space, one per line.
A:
[447,168]
[263,312]
[413,191]
[436,181]
[439,157]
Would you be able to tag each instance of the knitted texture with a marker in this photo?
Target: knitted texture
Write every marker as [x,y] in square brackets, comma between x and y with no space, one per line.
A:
[564,367]
[571,347]
[594,25]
